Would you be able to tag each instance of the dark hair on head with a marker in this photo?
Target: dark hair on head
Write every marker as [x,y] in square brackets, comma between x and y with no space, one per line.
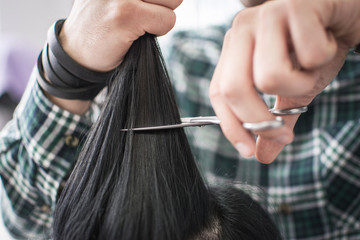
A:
[145,185]
[234,215]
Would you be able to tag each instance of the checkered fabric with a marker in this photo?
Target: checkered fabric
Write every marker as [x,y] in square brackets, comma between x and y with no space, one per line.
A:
[37,151]
[312,190]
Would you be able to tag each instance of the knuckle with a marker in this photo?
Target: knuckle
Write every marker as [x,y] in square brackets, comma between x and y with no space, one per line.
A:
[227,36]
[235,94]
[292,6]
[238,19]
[168,22]
[229,92]
[268,12]
[125,10]
[244,15]
[314,55]
[214,92]
[243,23]
[265,12]
[267,81]
[128,6]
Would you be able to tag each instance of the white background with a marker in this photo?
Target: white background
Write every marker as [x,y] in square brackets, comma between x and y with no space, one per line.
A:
[30,19]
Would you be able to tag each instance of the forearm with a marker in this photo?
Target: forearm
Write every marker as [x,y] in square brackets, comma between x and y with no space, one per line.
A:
[78,107]
[74,106]
[37,151]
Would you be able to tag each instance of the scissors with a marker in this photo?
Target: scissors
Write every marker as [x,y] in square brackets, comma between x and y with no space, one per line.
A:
[213,120]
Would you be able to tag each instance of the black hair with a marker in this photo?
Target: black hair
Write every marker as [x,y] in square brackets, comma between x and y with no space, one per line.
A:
[234,215]
[146,185]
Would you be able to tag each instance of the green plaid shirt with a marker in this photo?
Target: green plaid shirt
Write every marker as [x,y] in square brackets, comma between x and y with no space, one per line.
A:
[37,151]
[312,189]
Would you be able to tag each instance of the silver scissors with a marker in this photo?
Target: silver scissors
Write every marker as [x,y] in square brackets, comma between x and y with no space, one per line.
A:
[213,120]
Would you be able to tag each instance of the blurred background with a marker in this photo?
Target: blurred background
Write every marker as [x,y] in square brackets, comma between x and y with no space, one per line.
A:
[23,28]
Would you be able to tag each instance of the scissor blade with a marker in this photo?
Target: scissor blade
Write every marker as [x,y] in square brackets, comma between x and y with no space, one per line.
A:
[211,120]
[186,122]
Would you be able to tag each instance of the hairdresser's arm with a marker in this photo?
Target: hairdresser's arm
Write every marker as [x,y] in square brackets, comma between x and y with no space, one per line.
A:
[258,54]
[37,151]
[97,34]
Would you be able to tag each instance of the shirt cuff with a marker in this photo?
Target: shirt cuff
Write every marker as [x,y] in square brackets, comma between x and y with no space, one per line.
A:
[51,136]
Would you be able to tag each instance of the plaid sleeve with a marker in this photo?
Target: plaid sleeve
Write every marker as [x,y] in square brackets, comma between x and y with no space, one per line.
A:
[312,189]
[37,151]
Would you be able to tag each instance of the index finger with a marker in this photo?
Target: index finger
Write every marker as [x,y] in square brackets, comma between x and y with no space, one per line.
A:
[239,101]
[239,91]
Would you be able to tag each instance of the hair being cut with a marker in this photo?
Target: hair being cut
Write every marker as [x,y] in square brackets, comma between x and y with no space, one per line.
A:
[146,185]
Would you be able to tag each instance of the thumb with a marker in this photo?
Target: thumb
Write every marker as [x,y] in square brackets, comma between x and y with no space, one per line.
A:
[268,149]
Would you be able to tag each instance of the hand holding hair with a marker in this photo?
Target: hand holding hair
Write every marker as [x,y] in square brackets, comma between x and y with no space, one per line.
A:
[290,48]
[97,34]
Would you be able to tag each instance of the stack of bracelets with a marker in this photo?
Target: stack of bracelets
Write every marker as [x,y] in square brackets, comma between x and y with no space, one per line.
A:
[69,80]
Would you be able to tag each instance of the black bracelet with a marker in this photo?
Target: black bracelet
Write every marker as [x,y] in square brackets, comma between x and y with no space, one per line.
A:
[50,73]
[84,93]
[68,63]
[68,79]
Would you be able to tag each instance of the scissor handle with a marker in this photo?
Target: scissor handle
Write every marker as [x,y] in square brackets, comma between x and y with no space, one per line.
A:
[207,119]
[289,111]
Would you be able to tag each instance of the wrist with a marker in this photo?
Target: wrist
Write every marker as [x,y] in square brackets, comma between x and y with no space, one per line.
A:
[63,77]
[88,48]
[78,107]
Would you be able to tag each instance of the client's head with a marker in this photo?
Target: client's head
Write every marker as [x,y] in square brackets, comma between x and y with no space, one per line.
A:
[146,185]
[233,214]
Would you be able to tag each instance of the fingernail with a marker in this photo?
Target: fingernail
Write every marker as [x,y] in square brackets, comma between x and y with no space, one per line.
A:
[283,139]
[244,150]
